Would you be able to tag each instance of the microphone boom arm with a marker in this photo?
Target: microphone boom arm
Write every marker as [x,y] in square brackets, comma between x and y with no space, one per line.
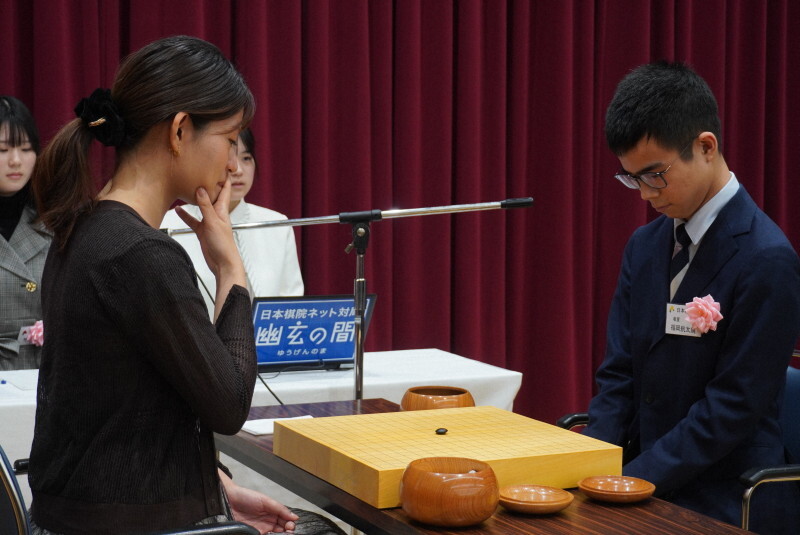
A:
[375,215]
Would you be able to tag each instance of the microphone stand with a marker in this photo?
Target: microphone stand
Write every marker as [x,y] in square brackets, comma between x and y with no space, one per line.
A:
[360,222]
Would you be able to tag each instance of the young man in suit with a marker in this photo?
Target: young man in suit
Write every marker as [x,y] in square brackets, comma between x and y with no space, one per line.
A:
[695,405]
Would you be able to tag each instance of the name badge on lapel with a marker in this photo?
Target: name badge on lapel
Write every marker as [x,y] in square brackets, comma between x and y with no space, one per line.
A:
[23,336]
[677,322]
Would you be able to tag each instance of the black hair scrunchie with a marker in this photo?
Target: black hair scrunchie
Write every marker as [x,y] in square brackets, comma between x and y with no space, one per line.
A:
[102,117]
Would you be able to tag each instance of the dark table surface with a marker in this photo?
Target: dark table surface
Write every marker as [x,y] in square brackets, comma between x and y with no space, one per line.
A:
[583,516]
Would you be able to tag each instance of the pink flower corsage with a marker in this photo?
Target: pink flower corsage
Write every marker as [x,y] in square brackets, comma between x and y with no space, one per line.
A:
[35,334]
[703,314]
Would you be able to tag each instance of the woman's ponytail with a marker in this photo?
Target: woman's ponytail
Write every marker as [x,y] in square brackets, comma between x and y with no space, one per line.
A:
[62,181]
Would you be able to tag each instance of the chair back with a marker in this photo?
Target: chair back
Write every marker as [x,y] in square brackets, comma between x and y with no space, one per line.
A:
[790,415]
[13,514]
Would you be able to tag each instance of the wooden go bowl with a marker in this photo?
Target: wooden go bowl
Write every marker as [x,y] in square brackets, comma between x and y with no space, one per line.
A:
[435,397]
[449,491]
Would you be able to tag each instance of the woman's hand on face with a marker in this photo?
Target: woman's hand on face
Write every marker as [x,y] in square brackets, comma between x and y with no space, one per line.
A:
[214,232]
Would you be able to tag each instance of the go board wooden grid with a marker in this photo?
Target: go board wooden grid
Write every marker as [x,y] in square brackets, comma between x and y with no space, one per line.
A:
[366,454]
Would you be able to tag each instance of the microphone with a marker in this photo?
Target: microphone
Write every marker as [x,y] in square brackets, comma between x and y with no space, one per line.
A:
[522,202]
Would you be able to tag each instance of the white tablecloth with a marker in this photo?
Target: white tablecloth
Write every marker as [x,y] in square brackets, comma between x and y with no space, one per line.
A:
[387,374]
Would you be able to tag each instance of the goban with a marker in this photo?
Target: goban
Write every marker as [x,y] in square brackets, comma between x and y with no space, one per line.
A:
[366,454]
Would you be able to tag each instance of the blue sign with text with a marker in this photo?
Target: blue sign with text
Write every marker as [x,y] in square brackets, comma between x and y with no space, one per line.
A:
[306,331]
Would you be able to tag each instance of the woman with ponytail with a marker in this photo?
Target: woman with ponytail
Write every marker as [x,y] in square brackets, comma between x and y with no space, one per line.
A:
[135,378]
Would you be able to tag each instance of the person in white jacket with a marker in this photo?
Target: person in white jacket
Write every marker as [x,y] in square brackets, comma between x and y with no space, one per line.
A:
[269,253]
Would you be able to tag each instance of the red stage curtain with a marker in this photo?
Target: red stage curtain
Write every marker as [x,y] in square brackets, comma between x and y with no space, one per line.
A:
[412,103]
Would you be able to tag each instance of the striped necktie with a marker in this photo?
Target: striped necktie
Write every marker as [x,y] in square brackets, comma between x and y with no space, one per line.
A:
[680,258]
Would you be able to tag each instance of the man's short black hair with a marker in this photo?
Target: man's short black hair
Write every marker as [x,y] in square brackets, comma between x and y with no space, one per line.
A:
[666,102]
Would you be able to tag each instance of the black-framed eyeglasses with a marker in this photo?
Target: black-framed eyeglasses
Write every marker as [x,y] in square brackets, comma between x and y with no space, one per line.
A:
[654,180]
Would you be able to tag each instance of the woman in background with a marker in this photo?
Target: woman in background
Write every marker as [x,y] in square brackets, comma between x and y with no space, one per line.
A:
[24,241]
[135,379]
[269,254]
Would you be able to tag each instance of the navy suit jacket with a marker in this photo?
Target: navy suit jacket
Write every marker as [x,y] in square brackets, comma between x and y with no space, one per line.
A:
[701,411]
